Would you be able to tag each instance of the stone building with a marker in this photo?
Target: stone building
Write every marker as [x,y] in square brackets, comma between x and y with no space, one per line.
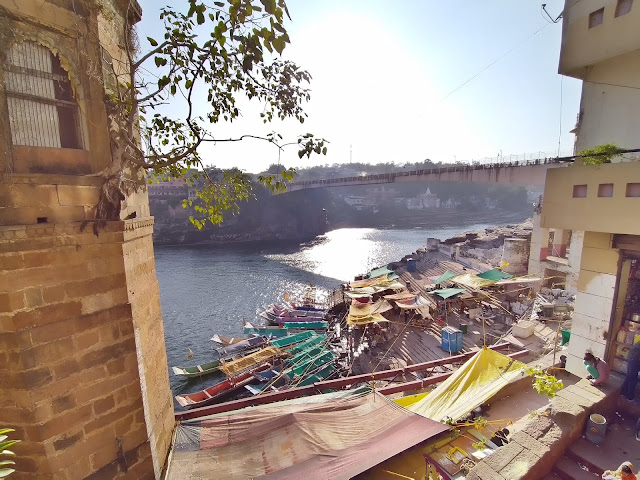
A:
[83,366]
[586,237]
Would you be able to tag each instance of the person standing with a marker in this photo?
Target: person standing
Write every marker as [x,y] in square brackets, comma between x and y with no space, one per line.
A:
[633,367]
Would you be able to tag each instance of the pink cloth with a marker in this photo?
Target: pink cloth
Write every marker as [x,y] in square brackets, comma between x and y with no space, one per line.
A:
[603,373]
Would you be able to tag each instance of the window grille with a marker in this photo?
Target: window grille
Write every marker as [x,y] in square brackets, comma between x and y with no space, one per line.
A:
[42,108]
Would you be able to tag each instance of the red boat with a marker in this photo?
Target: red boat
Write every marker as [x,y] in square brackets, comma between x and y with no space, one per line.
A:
[211,394]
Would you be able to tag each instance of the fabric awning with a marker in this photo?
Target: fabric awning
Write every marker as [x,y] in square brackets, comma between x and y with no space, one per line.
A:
[358,309]
[472,281]
[401,296]
[447,292]
[378,272]
[495,275]
[475,382]
[413,304]
[444,277]
[521,280]
[366,319]
[336,438]
[378,287]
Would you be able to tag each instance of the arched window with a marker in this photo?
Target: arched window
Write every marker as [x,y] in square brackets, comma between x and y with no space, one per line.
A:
[42,109]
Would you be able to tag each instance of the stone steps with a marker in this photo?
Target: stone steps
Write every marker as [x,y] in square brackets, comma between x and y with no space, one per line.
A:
[568,469]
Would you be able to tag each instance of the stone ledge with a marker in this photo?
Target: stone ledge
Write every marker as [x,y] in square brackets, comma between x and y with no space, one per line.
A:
[534,450]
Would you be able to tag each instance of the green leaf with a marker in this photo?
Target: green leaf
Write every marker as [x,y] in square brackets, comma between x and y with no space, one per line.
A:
[160,61]
[153,42]
[5,472]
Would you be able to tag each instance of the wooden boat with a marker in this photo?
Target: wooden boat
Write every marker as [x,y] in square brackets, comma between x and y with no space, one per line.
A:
[211,394]
[321,325]
[236,348]
[306,344]
[198,370]
[310,352]
[224,341]
[268,374]
[322,374]
[265,331]
[237,367]
[310,364]
[274,319]
[281,311]
[271,384]
[291,339]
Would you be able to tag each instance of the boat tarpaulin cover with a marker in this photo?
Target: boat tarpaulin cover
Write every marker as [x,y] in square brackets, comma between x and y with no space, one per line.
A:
[475,382]
[444,277]
[378,272]
[236,348]
[494,274]
[291,339]
[472,281]
[335,438]
[401,296]
[261,356]
[447,292]
[364,320]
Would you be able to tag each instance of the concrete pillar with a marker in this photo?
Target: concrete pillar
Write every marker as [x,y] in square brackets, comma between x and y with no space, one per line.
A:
[82,357]
[538,246]
[560,241]
[591,323]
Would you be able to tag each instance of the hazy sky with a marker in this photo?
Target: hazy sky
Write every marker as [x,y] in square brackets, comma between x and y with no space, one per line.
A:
[384,75]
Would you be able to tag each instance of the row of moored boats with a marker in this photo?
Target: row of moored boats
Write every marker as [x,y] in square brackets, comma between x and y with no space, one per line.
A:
[292,350]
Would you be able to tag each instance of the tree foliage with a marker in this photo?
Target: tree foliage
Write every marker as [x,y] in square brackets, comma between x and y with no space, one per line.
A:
[211,58]
[543,383]
[5,471]
[599,154]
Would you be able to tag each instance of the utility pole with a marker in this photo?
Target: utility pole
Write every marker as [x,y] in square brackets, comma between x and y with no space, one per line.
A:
[350,153]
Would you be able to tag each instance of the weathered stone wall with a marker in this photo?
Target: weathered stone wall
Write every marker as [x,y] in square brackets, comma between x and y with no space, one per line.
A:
[82,359]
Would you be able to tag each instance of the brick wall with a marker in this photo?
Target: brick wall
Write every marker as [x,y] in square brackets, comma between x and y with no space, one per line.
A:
[81,339]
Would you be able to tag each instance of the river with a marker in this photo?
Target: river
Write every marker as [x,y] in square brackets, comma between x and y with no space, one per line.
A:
[206,289]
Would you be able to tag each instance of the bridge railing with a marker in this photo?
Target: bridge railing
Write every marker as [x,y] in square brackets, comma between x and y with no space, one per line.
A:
[391,176]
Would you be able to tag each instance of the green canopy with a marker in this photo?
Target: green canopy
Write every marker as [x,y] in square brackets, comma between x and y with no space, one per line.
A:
[445,276]
[379,272]
[448,292]
[495,275]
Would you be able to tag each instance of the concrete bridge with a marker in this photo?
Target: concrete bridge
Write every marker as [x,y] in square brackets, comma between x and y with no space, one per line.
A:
[531,172]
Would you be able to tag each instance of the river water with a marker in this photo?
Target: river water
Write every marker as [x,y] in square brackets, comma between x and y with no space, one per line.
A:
[207,289]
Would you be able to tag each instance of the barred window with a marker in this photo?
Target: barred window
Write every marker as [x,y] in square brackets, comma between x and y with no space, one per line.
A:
[42,109]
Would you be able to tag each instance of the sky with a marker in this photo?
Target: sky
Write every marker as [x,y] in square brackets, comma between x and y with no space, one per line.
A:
[389,83]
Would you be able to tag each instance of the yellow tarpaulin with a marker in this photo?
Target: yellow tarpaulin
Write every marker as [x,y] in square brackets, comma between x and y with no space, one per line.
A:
[379,287]
[363,320]
[410,399]
[473,281]
[479,379]
[233,368]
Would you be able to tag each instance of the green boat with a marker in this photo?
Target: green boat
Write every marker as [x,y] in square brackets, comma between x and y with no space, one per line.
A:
[310,364]
[198,370]
[320,325]
[303,355]
[322,374]
[306,344]
[291,339]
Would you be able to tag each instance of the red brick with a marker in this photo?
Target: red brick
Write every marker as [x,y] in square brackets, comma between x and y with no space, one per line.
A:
[65,422]
[64,369]
[53,294]
[105,455]
[143,470]
[46,314]
[94,286]
[63,403]
[116,366]
[36,378]
[33,298]
[12,301]
[106,419]
[103,355]
[67,440]
[87,340]
[47,353]
[11,262]
[103,405]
